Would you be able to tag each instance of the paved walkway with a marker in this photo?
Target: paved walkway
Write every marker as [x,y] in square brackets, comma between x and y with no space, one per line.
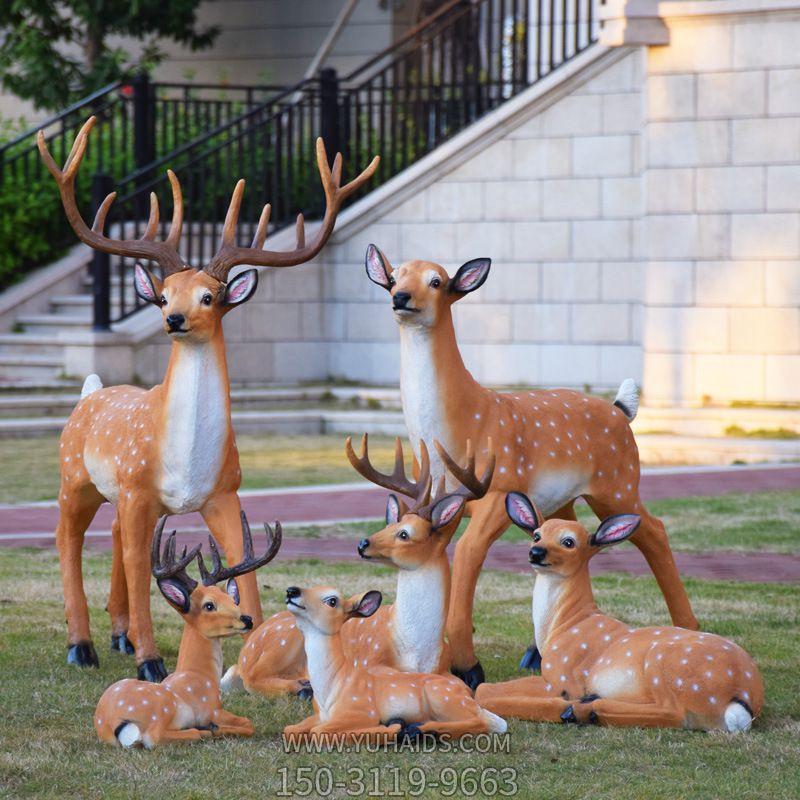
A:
[33,525]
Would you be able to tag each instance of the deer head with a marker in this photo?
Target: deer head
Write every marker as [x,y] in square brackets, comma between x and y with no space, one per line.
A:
[422,292]
[324,609]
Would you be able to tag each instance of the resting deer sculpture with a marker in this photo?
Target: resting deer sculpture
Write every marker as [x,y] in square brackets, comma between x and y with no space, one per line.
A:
[356,702]
[186,706]
[408,635]
[169,450]
[556,445]
[596,668]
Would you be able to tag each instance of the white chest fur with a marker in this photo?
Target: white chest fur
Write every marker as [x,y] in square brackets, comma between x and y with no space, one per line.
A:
[196,427]
[546,592]
[419,618]
[420,392]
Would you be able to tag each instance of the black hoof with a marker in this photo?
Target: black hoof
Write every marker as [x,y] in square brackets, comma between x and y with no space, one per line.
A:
[593,718]
[590,698]
[396,721]
[568,715]
[531,659]
[473,677]
[83,654]
[122,644]
[306,692]
[153,670]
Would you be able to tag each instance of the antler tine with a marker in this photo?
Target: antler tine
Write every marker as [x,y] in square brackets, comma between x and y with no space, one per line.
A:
[165,253]
[229,256]
[261,230]
[176,226]
[152,224]
[164,563]
[249,562]
[397,481]
[466,475]
[232,217]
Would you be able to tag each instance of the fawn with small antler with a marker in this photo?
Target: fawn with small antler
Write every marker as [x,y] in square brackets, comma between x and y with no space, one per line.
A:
[597,669]
[356,702]
[556,445]
[170,449]
[408,635]
[186,706]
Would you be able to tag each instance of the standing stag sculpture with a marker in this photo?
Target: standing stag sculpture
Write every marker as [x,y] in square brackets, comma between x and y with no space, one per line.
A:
[169,450]
[556,445]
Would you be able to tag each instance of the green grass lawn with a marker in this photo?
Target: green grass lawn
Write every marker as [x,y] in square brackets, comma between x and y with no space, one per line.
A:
[48,747]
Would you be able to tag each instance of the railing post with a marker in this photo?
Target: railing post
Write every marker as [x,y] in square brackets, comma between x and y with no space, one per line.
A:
[102,185]
[143,133]
[329,111]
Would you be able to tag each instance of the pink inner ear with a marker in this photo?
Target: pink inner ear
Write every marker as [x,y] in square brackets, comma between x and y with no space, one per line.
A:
[143,284]
[233,591]
[615,533]
[375,268]
[239,287]
[450,510]
[392,510]
[523,513]
[172,593]
[470,278]
[369,606]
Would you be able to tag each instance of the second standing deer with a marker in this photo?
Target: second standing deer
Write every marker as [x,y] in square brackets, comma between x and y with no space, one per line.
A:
[555,445]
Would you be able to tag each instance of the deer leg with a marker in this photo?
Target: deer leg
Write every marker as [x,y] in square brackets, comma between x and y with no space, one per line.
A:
[536,709]
[532,686]
[136,529]
[118,596]
[222,516]
[301,728]
[454,728]
[350,728]
[489,520]
[77,509]
[231,725]
[636,715]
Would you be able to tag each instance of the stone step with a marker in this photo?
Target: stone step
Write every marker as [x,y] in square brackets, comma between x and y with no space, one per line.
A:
[29,368]
[30,344]
[54,323]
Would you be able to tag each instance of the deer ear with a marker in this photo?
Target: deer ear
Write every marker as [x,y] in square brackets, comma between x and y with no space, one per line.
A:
[233,590]
[367,604]
[470,276]
[446,510]
[147,286]
[175,594]
[241,288]
[393,509]
[377,267]
[615,529]
[522,512]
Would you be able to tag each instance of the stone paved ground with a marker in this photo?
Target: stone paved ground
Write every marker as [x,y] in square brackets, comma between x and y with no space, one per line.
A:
[33,525]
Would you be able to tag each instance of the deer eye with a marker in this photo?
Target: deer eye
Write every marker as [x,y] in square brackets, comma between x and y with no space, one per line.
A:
[568,542]
[163,300]
[537,537]
[209,606]
[403,535]
[206,301]
[332,602]
[392,281]
[435,283]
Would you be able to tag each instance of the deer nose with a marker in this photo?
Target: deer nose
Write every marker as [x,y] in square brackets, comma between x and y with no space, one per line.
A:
[175,321]
[537,555]
[248,622]
[293,591]
[362,547]
[400,299]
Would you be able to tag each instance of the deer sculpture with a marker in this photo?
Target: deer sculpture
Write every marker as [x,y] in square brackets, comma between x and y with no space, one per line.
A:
[186,706]
[557,445]
[596,669]
[357,702]
[408,635]
[169,450]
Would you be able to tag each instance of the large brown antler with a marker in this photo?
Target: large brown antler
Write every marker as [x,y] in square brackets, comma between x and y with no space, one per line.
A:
[164,564]
[248,564]
[471,487]
[165,253]
[397,481]
[229,255]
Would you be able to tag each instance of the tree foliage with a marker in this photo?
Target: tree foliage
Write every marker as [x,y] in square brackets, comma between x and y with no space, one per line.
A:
[53,52]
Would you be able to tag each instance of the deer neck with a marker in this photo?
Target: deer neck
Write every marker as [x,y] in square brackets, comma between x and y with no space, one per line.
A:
[326,666]
[420,611]
[199,654]
[196,426]
[560,603]
[435,387]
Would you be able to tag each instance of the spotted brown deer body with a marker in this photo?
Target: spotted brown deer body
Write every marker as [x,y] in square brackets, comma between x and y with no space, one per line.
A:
[187,706]
[171,449]
[353,702]
[408,635]
[556,445]
[598,669]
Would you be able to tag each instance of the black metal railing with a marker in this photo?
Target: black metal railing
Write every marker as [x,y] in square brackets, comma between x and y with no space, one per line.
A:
[445,73]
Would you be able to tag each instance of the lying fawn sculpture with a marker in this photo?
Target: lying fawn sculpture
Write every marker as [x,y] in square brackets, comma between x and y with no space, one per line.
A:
[556,445]
[170,449]
[186,706]
[408,635]
[597,669]
[354,702]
